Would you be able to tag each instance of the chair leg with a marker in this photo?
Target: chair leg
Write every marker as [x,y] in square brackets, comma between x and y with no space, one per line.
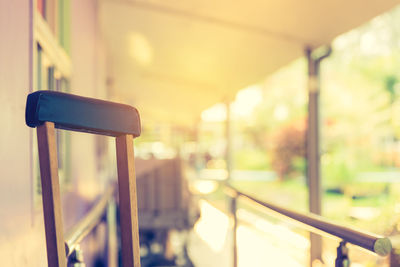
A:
[128,201]
[51,195]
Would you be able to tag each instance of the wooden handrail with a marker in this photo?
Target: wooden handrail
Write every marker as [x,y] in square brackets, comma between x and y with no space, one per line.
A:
[82,228]
[372,242]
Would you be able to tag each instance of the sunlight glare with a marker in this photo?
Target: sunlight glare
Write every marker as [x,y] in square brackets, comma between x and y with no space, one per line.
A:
[216,113]
[281,112]
[247,100]
[140,48]
[203,187]
[212,227]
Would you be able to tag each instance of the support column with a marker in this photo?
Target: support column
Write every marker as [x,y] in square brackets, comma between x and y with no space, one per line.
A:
[314,59]
[228,136]
[197,156]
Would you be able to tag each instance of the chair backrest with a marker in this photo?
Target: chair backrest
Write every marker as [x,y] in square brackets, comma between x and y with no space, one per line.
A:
[83,114]
[47,110]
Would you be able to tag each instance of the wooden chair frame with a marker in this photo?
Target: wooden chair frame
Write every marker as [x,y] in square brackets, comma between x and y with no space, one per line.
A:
[47,148]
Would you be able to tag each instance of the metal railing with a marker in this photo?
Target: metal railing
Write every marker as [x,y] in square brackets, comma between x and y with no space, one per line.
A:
[377,244]
[96,215]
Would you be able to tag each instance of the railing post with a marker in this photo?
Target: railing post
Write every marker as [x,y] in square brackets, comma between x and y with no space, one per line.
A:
[76,258]
[342,258]
[112,244]
[234,230]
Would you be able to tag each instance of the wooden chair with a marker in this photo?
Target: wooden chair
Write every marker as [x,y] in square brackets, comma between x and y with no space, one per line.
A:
[47,110]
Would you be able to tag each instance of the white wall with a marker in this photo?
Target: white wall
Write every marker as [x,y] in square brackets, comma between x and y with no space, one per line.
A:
[87,67]
[21,223]
[20,239]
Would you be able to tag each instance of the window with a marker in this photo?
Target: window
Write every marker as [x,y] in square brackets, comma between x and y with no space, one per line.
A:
[51,72]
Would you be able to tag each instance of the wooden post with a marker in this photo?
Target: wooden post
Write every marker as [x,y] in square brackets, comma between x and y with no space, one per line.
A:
[51,195]
[128,202]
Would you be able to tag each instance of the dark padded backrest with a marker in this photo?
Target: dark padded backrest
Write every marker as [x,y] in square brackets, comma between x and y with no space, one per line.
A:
[82,114]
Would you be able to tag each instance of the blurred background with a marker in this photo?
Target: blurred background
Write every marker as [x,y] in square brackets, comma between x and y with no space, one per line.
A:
[229,93]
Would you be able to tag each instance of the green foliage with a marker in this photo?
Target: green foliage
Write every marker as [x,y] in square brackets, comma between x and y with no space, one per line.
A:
[289,193]
[390,83]
[336,171]
[360,128]
[288,150]
[251,159]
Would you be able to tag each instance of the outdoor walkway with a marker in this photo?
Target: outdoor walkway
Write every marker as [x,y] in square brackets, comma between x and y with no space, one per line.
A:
[274,245]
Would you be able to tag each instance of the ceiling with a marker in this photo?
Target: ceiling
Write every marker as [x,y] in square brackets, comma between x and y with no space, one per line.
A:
[174,58]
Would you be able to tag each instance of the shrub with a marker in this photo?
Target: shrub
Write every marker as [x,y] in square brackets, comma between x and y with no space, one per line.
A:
[288,150]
